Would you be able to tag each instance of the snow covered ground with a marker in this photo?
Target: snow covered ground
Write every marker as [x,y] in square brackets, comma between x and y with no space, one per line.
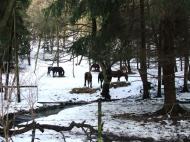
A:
[57,90]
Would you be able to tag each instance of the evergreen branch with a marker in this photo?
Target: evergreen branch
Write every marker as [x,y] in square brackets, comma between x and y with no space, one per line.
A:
[7,15]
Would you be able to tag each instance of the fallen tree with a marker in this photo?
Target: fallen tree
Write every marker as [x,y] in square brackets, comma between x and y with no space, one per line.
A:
[88,129]
[27,127]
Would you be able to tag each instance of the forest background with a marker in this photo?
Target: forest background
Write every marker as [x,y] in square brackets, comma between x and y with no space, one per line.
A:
[105,31]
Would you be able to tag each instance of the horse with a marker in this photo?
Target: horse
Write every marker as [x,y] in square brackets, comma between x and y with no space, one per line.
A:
[88,78]
[100,78]
[96,66]
[117,73]
[60,71]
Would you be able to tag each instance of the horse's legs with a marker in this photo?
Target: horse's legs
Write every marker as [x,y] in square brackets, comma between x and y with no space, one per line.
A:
[90,83]
[85,80]
[101,83]
[59,73]
[53,73]
[126,77]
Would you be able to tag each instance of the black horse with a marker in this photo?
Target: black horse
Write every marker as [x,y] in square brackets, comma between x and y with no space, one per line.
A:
[60,71]
[96,66]
[100,78]
[118,74]
[88,78]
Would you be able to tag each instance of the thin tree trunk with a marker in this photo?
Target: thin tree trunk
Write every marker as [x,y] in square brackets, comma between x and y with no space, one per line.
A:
[51,42]
[176,70]
[186,53]
[39,42]
[80,60]
[57,37]
[181,61]
[9,58]
[159,92]
[28,56]
[16,58]
[143,69]
[106,84]
[158,42]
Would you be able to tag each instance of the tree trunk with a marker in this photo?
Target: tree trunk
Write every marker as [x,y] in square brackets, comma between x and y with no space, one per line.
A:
[186,53]
[181,60]
[28,56]
[143,69]
[171,107]
[16,58]
[80,60]
[128,66]
[51,42]
[185,85]
[176,70]
[106,84]
[9,58]
[57,37]
[159,93]
[39,43]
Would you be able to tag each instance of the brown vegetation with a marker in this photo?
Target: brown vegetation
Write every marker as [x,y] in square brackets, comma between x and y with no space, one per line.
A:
[84,90]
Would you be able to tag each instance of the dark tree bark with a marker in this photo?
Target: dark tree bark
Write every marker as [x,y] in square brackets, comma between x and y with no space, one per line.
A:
[186,52]
[143,70]
[159,93]
[9,58]
[106,85]
[185,85]
[158,42]
[15,45]
[189,73]
[128,66]
[171,106]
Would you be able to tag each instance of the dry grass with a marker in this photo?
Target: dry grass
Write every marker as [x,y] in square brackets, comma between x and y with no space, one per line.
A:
[84,90]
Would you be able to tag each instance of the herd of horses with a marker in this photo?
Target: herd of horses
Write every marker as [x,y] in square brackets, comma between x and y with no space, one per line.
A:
[88,75]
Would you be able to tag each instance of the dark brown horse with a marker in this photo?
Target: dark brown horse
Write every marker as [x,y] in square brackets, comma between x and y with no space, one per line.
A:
[88,78]
[96,66]
[60,70]
[100,78]
[118,74]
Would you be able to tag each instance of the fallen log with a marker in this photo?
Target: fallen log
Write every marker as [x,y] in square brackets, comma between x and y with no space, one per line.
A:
[24,128]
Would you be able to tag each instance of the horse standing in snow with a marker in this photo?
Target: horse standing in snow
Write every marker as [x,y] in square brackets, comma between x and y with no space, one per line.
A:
[117,74]
[96,66]
[88,78]
[60,71]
